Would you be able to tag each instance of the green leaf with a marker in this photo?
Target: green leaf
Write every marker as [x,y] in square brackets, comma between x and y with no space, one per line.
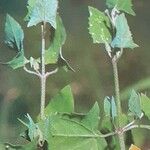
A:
[34,63]
[52,54]
[14,38]
[18,61]
[30,146]
[34,131]
[134,104]
[107,106]
[30,7]
[106,123]
[13,33]
[124,5]
[113,108]
[123,120]
[42,11]
[145,105]
[92,118]
[123,38]
[62,102]
[67,134]
[98,26]
[110,107]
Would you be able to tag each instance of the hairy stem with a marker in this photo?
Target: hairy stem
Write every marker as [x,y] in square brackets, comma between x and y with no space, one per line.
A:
[43,78]
[118,101]
[117,89]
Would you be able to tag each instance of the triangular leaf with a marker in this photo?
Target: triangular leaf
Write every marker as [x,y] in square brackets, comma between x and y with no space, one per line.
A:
[124,5]
[67,134]
[98,26]
[92,118]
[134,104]
[123,38]
[14,38]
[13,33]
[145,105]
[52,54]
[62,102]
[42,11]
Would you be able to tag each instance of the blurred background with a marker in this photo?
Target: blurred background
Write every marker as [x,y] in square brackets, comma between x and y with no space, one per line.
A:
[93,79]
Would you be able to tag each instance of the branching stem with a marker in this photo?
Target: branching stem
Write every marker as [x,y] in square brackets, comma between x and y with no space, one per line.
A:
[31,72]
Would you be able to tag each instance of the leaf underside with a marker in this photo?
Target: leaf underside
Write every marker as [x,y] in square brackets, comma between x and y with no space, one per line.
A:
[42,11]
[123,38]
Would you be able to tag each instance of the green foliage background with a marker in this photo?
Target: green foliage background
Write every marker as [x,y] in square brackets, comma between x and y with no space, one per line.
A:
[93,79]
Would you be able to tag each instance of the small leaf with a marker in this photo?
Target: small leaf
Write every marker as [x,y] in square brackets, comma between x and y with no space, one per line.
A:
[13,33]
[42,11]
[107,106]
[145,105]
[134,104]
[113,108]
[34,63]
[92,118]
[98,26]
[123,38]
[62,102]
[133,147]
[52,54]
[124,5]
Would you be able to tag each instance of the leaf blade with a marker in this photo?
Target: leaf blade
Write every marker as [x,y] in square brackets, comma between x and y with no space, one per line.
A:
[37,12]
[98,26]
[123,38]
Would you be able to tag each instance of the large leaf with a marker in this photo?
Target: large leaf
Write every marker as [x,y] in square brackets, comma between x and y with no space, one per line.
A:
[134,104]
[62,102]
[98,26]
[124,5]
[92,118]
[68,134]
[123,38]
[145,105]
[14,38]
[13,33]
[42,11]
[52,54]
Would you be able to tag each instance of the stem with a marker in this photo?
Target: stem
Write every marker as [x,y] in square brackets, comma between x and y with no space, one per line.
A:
[86,136]
[137,126]
[117,89]
[43,78]
[118,101]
